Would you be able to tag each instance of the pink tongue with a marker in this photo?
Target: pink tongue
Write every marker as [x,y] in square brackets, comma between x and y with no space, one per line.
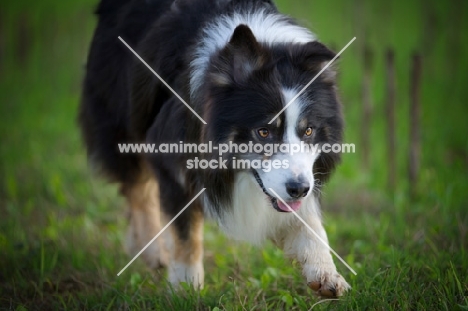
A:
[295,206]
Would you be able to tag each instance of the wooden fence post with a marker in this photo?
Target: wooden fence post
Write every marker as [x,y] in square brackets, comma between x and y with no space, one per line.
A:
[414,129]
[366,106]
[390,117]
[23,38]
[2,42]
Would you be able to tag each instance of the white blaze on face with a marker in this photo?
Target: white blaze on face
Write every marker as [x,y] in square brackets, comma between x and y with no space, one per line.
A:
[299,164]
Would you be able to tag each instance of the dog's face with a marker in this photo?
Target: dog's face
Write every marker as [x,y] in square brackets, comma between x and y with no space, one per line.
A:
[293,179]
[248,85]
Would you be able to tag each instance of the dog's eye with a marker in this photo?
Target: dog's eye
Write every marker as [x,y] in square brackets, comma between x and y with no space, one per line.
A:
[308,131]
[263,132]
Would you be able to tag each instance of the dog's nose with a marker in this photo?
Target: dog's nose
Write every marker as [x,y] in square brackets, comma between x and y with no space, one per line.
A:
[297,190]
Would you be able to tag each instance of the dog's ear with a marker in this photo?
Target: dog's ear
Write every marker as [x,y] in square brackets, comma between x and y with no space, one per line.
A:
[313,56]
[247,54]
[241,56]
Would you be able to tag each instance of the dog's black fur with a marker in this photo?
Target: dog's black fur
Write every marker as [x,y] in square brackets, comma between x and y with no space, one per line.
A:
[122,99]
[123,102]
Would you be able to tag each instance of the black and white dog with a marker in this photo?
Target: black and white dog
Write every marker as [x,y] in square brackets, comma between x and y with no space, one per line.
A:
[237,63]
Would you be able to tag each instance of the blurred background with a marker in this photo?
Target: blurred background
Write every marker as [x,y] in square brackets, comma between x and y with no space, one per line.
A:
[396,210]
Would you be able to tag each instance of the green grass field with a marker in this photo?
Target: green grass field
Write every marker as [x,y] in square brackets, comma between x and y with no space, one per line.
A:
[61,228]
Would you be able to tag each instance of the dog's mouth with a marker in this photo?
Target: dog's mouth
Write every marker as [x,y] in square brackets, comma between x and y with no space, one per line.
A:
[277,204]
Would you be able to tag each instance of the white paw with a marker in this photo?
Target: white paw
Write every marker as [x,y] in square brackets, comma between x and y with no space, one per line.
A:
[191,273]
[327,283]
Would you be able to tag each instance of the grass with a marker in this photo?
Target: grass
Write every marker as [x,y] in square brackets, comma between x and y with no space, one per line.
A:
[61,228]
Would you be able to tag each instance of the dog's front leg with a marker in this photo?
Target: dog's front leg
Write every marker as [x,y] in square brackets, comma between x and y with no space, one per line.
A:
[302,244]
[186,261]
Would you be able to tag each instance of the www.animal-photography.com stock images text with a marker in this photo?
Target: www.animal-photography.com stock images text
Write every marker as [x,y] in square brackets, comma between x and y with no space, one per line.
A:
[233,155]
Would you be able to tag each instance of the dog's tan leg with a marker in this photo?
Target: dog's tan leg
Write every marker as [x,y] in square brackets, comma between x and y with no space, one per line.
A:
[145,222]
[186,262]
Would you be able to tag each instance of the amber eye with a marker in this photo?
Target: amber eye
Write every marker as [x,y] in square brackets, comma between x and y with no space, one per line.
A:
[263,132]
[308,131]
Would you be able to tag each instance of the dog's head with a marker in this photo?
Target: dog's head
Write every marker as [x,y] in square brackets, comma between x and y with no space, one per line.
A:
[248,85]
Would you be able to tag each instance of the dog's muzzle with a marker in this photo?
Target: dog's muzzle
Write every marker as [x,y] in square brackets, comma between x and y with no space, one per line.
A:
[274,201]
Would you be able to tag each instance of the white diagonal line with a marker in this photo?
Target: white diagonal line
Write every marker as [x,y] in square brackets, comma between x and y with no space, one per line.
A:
[315,233]
[316,76]
[164,82]
[160,232]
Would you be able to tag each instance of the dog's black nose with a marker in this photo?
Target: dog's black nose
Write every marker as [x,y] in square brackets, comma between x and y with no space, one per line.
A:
[297,189]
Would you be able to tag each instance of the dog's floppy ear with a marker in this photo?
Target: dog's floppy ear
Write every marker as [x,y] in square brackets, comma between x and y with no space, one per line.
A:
[241,56]
[313,56]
